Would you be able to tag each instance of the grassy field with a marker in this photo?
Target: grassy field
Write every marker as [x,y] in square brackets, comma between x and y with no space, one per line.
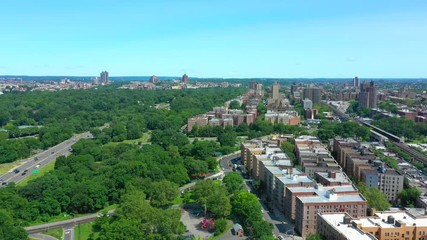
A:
[56,233]
[42,172]
[6,167]
[83,231]
[145,139]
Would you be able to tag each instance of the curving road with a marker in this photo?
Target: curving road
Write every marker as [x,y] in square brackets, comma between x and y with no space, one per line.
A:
[41,159]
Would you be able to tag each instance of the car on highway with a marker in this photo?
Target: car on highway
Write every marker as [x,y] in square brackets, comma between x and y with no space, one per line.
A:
[36,158]
[16,171]
[52,152]
[4,183]
[281,237]
[38,165]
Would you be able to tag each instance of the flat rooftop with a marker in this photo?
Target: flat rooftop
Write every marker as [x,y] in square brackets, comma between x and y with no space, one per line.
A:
[339,177]
[347,230]
[322,194]
[325,199]
[295,179]
[401,216]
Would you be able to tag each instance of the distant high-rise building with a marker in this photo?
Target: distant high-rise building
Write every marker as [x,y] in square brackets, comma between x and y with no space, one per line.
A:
[153,79]
[185,78]
[252,84]
[314,94]
[368,95]
[275,90]
[356,82]
[104,77]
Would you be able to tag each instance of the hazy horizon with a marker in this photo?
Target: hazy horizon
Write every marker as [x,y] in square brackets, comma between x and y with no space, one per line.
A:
[232,39]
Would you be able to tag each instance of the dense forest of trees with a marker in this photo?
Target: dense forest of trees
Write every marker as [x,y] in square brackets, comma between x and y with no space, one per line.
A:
[63,113]
[98,174]
[329,129]
[406,128]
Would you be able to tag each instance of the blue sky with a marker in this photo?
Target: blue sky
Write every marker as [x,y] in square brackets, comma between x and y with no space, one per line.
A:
[214,38]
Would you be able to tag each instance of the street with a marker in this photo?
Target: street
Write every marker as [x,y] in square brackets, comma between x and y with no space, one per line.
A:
[281,225]
[41,159]
[226,161]
[69,233]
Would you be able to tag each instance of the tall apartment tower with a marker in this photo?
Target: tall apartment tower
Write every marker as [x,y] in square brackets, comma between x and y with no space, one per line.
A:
[104,77]
[276,94]
[153,79]
[252,84]
[356,82]
[185,78]
[314,94]
[368,95]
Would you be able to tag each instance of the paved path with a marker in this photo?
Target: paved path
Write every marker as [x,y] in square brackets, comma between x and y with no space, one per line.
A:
[41,236]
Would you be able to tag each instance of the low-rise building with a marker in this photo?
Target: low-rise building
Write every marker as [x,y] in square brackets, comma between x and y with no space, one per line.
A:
[287,117]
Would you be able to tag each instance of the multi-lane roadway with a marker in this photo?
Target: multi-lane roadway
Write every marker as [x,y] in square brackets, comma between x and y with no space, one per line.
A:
[27,166]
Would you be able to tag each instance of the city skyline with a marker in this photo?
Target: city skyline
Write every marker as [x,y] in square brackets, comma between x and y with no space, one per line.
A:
[239,39]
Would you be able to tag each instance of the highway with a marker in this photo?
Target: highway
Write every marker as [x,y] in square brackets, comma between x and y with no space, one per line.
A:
[41,236]
[41,159]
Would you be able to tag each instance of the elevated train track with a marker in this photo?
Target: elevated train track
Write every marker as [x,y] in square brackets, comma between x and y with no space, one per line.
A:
[395,140]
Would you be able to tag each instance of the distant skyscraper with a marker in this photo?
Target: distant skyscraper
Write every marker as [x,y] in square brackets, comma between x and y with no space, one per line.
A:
[104,77]
[276,94]
[153,79]
[368,95]
[314,94]
[356,82]
[252,84]
[185,78]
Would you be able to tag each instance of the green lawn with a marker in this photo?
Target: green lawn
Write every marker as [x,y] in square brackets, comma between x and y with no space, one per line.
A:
[42,171]
[83,231]
[145,139]
[56,233]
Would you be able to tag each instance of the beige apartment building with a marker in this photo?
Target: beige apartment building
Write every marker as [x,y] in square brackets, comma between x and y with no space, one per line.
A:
[399,225]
